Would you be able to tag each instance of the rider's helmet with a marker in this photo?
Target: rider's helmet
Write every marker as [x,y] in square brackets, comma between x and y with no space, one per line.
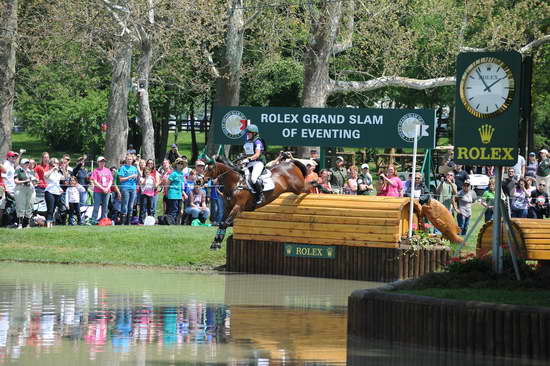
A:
[252,128]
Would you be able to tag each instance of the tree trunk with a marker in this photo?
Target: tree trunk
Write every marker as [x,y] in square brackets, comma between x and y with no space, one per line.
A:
[194,147]
[162,129]
[8,32]
[117,114]
[228,85]
[323,31]
[145,117]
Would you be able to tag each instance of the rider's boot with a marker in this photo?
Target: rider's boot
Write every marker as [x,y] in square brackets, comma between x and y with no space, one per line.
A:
[258,192]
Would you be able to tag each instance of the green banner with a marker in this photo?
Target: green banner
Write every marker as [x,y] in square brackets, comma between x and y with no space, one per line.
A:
[331,127]
[487,117]
[310,251]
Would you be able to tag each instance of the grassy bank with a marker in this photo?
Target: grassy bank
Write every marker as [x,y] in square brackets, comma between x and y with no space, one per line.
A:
[535,297]
[165,246]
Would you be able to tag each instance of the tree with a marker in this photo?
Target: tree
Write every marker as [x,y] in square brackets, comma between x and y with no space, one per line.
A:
[8,36]
[391,36]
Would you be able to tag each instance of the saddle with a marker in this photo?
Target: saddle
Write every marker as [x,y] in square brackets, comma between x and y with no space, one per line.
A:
[265,179]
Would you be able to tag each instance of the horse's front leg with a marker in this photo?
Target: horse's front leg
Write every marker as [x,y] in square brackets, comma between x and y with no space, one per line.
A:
[222,227]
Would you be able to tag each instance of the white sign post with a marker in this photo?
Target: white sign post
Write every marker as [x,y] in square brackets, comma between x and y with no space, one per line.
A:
[415,148]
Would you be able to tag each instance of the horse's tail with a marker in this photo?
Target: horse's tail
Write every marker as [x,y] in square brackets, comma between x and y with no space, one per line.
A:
[301,166]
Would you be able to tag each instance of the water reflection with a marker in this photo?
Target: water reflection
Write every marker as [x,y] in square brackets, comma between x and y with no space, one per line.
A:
[91,317]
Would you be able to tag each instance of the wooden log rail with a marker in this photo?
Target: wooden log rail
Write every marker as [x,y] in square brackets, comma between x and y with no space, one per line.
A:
[494,330]
[327,220]
[533,235]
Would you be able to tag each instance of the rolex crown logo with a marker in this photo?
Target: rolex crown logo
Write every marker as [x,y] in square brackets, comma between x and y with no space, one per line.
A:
[288,250]
[486,133]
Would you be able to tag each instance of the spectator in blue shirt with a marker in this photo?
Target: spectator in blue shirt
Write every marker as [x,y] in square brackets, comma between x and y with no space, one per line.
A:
[175,182]
[128,176]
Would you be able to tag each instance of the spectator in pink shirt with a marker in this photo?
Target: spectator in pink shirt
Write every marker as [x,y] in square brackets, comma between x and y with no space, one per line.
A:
[101,180]
[390,184]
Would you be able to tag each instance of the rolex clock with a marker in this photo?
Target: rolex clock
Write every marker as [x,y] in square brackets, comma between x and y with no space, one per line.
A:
[487,117]
[487,87]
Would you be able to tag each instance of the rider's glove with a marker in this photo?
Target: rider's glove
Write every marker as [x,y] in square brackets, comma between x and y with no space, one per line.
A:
[245,161]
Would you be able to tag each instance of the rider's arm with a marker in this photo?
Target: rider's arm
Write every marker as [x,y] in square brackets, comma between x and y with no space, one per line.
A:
[257,154]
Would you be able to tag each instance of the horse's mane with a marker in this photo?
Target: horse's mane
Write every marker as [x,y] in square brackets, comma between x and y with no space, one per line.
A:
[302,167]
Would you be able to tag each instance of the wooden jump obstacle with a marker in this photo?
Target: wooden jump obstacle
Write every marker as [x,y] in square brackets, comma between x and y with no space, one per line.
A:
[334,236]
[533,236]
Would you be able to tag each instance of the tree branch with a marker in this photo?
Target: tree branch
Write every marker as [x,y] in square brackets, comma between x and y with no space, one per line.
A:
[252,18]
[537,42]
[346,28]
[384,81]
[213,68]
[113,9]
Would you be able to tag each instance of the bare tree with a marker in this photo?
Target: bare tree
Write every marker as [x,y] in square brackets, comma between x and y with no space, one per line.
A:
[8,34]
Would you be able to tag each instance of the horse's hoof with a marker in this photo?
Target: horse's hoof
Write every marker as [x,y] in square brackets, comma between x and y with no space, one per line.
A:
[215,246]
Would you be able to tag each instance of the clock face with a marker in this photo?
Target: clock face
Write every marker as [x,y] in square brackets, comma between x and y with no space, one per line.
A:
[487,87]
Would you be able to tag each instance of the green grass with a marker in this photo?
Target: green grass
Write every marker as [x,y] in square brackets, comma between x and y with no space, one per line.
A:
[35,147]
[168,246]
[524,297]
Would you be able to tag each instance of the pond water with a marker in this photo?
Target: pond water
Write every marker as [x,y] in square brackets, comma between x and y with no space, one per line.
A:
[88,315]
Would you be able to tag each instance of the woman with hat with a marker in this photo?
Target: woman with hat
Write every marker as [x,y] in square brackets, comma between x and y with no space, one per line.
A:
[254,149]
[174,192]
[24,192]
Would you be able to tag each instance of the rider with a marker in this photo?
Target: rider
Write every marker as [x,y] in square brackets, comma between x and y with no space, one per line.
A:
[254,149]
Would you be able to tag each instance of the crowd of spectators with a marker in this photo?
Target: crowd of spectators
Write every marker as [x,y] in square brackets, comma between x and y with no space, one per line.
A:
[129,193]
[125,194]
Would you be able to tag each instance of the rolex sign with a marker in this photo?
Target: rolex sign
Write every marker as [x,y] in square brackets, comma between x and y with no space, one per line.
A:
[487,115]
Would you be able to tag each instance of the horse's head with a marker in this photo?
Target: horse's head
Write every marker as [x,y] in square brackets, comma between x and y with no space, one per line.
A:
[216,166]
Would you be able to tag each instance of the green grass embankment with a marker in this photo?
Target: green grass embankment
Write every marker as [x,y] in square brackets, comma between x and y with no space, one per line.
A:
[164,246]
[533,297]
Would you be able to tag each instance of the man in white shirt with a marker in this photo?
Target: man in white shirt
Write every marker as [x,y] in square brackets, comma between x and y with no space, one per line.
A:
[519,168]
[9,168]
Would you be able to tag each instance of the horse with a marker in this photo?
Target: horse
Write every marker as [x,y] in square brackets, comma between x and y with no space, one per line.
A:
[288,176]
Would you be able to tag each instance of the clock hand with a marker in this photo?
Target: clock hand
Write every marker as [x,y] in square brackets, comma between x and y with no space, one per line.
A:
[488,87]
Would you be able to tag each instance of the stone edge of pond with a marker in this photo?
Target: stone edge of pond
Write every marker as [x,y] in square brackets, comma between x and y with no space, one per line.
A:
[197,268]
[475,327]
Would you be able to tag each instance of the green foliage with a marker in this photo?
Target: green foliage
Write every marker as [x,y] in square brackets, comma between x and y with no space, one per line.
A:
[273,83]
[63,108]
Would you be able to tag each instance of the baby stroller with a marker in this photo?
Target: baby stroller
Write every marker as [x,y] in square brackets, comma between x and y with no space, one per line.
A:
[9,218]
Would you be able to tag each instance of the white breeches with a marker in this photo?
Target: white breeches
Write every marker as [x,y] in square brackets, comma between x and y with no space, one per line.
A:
[256,168]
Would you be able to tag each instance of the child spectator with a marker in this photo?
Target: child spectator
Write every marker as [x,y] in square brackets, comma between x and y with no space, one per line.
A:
[488,200]
[148,183]
[351,184]
[73,195]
